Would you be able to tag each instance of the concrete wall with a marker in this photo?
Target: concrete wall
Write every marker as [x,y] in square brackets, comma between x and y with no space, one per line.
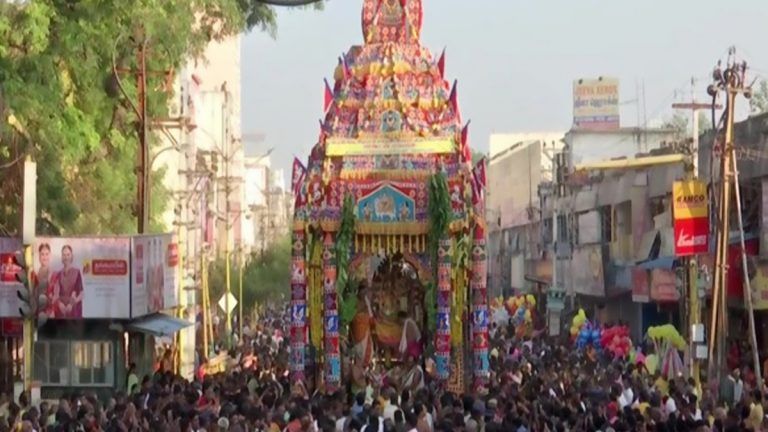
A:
[593,146]
[503,141]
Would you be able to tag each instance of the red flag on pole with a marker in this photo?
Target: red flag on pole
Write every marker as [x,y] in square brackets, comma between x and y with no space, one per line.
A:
[480,172]
[454,99]
[298,175]
[441,64]
[466,153]
[328,97]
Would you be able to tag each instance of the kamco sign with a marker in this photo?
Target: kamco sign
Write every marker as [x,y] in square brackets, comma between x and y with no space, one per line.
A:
[691,218]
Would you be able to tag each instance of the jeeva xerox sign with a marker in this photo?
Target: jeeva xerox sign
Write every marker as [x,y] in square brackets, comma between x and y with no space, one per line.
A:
[86,277]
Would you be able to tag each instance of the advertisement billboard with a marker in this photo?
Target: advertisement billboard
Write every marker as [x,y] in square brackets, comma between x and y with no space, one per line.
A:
[596,104]
[154,274]
[9,301]
[690,210]
[87,277]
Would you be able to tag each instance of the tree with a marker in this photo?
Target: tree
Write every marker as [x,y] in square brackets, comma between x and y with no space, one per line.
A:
[56,85]
[264,276]
[759,101]
[677,122]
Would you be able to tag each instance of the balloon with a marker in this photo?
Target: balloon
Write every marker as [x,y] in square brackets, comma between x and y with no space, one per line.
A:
[574,331]
[527,315]
[531,299]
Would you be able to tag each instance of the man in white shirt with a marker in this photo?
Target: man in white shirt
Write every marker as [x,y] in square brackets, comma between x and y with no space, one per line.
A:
[390,405]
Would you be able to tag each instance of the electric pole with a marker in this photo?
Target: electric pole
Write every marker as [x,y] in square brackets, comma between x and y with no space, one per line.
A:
[143,168]
[731,81]
[692,173]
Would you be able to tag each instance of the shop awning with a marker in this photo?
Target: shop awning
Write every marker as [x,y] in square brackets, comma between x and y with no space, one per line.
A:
[658,263]
[159,325]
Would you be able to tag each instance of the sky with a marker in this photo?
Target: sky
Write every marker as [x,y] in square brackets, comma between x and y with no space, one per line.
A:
[515,60]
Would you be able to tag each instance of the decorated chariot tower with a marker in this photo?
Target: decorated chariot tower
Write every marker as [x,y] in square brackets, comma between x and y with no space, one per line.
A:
[389,252]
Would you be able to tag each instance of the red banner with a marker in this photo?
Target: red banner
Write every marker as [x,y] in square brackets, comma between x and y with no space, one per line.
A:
[691,236]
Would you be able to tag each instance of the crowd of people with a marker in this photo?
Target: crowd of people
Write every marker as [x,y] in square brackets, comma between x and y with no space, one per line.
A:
[536,384]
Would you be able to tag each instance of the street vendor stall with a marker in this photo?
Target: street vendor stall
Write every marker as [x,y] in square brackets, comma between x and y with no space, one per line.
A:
[389,252]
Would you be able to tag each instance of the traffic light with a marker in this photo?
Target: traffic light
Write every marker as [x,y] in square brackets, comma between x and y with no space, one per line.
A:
[31,307]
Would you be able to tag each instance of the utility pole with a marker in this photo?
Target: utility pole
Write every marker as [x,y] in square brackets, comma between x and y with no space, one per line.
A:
[143,168]
[732,82]
[692,173]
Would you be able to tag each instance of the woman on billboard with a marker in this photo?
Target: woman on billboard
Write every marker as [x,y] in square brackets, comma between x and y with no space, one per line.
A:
[67,288]
[44,273]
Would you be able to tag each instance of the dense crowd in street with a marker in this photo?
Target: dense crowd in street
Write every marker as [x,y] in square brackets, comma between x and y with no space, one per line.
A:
[536,384]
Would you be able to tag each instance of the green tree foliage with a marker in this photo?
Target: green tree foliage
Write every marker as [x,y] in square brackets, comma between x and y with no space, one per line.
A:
[679,123]
[67,113]
[265,277]
[759,101]
[55,72]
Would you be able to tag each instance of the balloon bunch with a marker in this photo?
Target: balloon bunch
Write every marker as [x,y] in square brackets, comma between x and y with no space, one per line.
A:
[585,332]
[668,342]
[667,333]
[616,341]
[521,309]
[578,322]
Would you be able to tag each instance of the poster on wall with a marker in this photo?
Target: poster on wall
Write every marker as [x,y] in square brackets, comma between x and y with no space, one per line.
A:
[87,277]
[588,278]
[9,301]
[154,274]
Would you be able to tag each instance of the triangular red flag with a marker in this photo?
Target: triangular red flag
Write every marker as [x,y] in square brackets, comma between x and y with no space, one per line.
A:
[297,175]
[441,64]
[466,153]
[479,172]
[328,97]
[454,100]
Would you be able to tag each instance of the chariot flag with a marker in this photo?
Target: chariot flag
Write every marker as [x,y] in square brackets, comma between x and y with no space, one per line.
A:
[454,100]
[441,64]
[328,97]
[297,178]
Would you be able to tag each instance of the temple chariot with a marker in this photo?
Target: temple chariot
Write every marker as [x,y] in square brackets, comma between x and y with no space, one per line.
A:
[389,245]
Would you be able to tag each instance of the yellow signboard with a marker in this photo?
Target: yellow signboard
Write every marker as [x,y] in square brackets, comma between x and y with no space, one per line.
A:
[689,200]
[385,146]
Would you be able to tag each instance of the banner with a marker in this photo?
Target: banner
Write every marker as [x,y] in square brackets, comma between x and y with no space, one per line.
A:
[154,274]
[759,283]
[596,104]
[664,286]
[9,301]
[386,146]
[690,210]
[87,277]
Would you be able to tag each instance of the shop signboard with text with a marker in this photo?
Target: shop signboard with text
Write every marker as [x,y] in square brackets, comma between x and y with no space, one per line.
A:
[691,217]
[154,274]
[87,277]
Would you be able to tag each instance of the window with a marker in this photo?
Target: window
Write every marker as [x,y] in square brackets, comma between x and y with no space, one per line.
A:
[74,363]
[92,363]
[52,362]
[606,224]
